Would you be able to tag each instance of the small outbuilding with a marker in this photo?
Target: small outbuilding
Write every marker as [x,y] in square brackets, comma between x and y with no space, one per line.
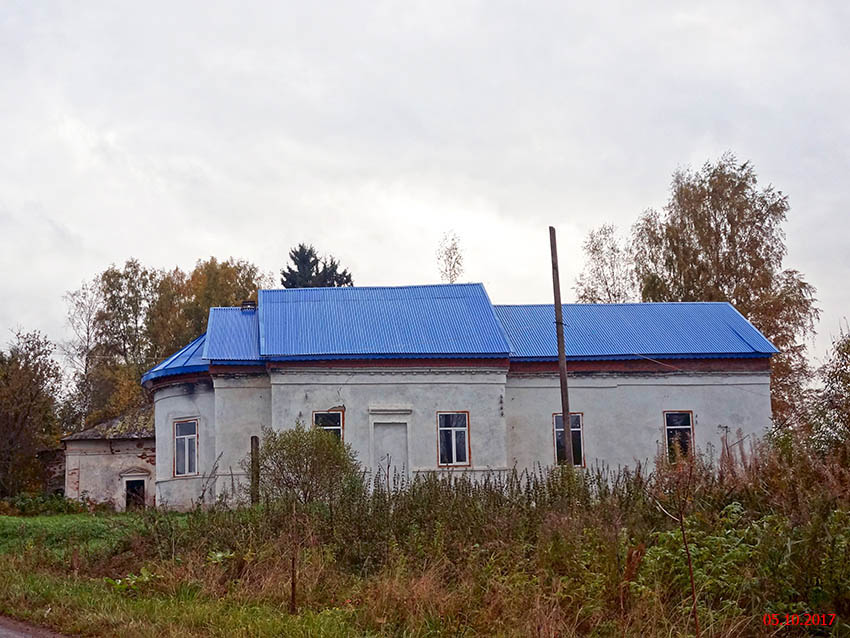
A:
[113,462]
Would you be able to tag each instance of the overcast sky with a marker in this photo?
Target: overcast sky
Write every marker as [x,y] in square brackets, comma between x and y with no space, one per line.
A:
[175,131]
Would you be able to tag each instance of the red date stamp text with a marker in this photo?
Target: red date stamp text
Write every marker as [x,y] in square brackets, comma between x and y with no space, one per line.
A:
[798,620]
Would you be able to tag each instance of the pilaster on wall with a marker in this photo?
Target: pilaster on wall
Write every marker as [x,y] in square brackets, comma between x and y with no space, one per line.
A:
[242,410]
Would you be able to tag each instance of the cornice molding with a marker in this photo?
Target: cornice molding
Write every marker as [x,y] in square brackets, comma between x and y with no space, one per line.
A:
[639,374]
[391,409]
[302,372]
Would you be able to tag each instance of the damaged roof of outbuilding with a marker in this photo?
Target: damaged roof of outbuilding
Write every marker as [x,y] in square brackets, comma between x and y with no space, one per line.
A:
[138,424]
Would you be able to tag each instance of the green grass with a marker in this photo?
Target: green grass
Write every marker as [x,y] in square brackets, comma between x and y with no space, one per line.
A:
[90,607]
[556,553]
[57,535]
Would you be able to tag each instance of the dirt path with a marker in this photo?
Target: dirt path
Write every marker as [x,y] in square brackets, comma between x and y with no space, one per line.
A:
[15,629]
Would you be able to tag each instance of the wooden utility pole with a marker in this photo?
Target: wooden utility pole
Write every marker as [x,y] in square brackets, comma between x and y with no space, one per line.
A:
[255,470]
[562,357]
[293,571]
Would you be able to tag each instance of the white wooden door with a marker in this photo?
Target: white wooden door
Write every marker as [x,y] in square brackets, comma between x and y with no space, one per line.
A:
[390,450]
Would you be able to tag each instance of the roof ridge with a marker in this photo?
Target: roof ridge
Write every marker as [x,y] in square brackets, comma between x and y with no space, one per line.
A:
[624,303]
[403,287]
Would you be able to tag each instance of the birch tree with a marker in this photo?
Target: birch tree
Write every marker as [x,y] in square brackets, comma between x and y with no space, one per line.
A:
[450,258]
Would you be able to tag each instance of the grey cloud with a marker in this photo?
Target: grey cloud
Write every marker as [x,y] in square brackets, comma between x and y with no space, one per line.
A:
[171,131]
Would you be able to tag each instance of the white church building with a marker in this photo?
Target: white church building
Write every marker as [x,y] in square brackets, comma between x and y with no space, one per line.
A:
[436,378]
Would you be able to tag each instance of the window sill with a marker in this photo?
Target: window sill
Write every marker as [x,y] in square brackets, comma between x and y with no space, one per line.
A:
[466,468]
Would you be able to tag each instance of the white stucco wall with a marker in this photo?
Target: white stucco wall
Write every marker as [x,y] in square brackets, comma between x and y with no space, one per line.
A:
[242,410]
[179,402]
[510,416]
[409,396]
[98,469]
[623,414]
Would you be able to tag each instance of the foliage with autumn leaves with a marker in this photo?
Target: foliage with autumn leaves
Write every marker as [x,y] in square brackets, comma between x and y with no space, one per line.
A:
[128,319]
[122,322]
[720,237]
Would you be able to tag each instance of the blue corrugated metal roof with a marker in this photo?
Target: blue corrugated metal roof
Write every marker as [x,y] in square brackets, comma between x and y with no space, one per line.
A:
[450,320]
[604,331]
[233,335]
[456,320]
[186,360]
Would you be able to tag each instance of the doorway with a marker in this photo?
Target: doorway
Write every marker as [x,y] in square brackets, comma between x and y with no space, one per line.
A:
[135,494]
[390,451]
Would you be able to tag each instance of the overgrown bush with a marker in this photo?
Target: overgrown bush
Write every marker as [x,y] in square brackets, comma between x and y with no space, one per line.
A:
[309,465]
